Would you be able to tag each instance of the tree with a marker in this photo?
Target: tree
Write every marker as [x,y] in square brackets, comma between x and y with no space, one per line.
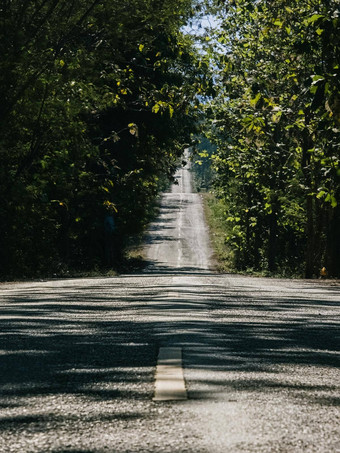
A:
[98,103]
[276,123]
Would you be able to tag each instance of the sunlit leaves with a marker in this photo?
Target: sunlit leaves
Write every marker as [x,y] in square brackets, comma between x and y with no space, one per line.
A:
[97,101]
[278,100]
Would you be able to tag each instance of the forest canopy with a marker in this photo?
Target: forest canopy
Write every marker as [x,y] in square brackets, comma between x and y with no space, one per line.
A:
[99,99]
[98,102]
[276,124]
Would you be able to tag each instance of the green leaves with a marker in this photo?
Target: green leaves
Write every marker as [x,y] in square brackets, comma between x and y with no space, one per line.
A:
[312,19]
[255,100]
[328,197]
[133,129]
[97,102]
[276,124]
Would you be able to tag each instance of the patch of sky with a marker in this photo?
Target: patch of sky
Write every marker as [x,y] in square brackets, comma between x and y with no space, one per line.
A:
[202,25]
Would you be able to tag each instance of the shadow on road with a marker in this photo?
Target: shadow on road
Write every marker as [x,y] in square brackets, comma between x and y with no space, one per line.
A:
[102,340]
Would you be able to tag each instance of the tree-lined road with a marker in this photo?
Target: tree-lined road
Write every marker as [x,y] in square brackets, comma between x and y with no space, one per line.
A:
[178,240]
[260,356]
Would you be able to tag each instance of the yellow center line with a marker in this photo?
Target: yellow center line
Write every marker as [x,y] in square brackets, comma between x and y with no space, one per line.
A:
[169,384]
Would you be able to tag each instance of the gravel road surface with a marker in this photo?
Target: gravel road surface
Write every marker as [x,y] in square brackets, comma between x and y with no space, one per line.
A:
[260,356]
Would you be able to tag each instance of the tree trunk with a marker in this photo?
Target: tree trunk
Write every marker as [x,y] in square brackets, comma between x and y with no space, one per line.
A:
[307,143]
[272,242]
[332,258]
[310,242]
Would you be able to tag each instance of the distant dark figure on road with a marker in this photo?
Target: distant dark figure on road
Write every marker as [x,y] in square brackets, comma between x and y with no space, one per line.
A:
[109,239]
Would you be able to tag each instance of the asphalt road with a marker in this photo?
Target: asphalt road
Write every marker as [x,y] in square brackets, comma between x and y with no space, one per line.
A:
[260,356]
[178,240]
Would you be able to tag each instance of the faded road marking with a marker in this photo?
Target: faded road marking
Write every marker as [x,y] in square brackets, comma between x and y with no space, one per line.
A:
[169,385]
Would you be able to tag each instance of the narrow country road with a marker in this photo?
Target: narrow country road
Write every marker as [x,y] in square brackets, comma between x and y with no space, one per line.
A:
[178,240]
[80,359]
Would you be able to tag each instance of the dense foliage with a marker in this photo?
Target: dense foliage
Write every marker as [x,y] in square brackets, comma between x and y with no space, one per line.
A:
[203,171]
[100,97]
[97,104]
[276,122]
